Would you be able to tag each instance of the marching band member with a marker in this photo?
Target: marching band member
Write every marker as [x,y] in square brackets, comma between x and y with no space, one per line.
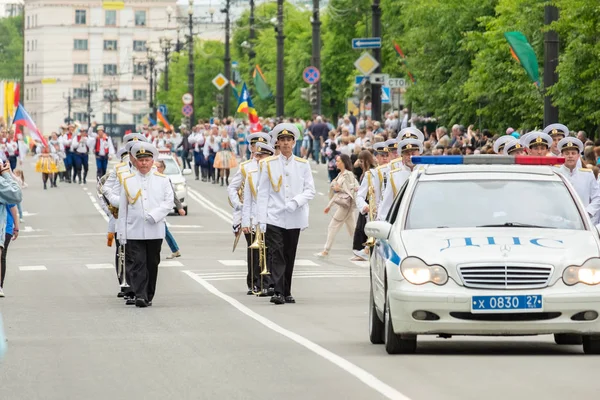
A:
[67,141]
[285,187]
[557,132]
[45,164]
[408,148]
[406,133]
[582,179]
[537,142]
[233,189]
[103,149]
[146,200]
[514,148]
[256,282]
[501,142]
[81,146]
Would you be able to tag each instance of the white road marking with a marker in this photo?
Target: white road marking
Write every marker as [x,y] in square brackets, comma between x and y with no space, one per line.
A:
[210,206]
[320,193]
[354,370]
[96,205]
[33,268]
[185,226]
[170,264]
[242,263]
[315,171]
[28,214]
[364,264]
[27,229]
[100,266]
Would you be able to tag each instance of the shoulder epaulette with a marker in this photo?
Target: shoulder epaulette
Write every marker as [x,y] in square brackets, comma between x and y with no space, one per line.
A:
[399,159]
[271,158]
[381,167]
[585,170]
[121,164]
[245,162]
[300,159]
[128,176]
[395,170]
[159,174]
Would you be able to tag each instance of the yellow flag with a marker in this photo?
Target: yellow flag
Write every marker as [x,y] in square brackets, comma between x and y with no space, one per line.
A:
[9,98]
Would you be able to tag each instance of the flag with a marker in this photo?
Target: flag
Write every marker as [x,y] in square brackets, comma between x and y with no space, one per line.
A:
[9,96]
[522,51]
[234,90]
[403,57]
[245,106]
[151,122]
[22,118]
[260,83]
[16,102]
[163,120]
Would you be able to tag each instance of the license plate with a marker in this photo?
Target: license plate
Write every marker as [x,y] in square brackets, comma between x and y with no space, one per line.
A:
[506,304]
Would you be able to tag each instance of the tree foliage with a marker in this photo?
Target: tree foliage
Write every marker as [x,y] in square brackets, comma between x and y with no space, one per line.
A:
[11,48]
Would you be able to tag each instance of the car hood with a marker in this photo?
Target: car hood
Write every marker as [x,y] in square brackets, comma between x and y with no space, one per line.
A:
[450,247]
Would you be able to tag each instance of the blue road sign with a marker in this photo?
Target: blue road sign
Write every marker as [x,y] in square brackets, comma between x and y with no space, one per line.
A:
[366,43]
[358,79]
[386,96]
[163,109]
[311,75]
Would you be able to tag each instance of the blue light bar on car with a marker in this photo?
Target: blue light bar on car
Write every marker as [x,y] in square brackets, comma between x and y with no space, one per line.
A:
[489,159]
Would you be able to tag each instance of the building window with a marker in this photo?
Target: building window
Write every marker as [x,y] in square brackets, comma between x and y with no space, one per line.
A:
[80,116]
[139,95]
[110,18]
[138,119]
[140,18]
[139,45]
[27,94]
[79,93]
[139,69]
[110,94]
[27,73]
[80,44]
[28,22]
[80,17]
[28,45]
[110,69]
[109,118]
[110,45]
[80,69]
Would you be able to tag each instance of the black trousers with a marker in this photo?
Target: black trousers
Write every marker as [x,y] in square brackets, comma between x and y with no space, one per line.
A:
[142,258]
[281,256]
[7,240]
[359,233]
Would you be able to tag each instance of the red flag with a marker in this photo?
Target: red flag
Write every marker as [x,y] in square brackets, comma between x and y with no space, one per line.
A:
[23,118]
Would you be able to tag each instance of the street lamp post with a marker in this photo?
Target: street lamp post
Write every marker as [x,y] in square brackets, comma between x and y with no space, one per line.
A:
[316,52]
[376,89]
[165,44]
[251,37]
[191,59]
[227,59]
[280,66]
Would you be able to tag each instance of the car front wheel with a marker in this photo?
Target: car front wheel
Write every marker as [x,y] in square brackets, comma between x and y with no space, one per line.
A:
[591,344]
[376,326]
[567,338]
[394,343]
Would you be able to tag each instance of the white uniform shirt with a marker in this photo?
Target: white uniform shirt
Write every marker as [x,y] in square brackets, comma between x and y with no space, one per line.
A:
[375,177]
[66,141]
[232,190]
[81,145]
[249,210]
[285,187]
[586,186]
[396,179]
[106,147]
[146,200]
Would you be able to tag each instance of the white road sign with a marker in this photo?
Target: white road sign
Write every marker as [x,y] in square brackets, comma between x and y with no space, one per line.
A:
[397,82]
[187,98]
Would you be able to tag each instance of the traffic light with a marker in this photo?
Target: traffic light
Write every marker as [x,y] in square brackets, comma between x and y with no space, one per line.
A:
[313,94]
[366,92]
[305,93]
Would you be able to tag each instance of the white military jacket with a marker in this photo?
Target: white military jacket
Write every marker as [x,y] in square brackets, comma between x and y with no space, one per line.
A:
[586,186]
[112,186]
[396,179]
[146,200]
[249,208]
[232,190]
[285,187]
[376,178]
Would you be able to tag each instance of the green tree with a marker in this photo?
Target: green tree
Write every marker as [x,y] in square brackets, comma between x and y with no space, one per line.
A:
[497,83]
[11,48]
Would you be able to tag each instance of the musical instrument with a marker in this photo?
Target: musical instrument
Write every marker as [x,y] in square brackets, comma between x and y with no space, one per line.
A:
[240,193]
[259,244]
[113,210]
[372,210]
[121,266]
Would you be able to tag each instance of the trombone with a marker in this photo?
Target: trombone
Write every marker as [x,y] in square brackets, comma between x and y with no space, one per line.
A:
[259,244]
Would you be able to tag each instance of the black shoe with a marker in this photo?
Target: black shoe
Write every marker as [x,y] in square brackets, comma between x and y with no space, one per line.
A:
[121,294]
[149,303]
[141,303]
[263,293]
[203,179]
[290,299]
[277,299]
[84,181]
[271,291]
[197,178]
[249,292]
[129,300]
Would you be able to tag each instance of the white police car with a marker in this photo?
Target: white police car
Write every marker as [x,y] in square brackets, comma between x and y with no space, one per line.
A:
[475,246]
[176,175]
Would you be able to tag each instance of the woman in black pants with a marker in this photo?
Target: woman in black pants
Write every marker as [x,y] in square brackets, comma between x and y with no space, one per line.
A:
[12,232]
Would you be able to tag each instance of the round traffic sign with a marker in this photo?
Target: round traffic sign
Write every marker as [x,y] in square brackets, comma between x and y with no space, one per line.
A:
[187,110]
[311,75]
[187,98]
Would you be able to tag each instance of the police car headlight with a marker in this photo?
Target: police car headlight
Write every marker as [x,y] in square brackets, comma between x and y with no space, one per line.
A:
[417,272]
[588,273]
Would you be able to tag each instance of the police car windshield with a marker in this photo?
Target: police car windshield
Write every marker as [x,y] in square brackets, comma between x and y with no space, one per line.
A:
[479,203]
[171,167]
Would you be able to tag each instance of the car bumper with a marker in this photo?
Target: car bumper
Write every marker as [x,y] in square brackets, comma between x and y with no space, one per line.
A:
[452,304]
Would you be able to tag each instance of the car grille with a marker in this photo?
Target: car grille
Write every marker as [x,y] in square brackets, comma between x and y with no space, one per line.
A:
[505,277]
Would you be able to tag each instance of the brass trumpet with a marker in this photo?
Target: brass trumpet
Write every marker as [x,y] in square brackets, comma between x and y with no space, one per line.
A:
[259,244]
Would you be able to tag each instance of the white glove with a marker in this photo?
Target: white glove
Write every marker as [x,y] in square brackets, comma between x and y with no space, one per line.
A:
[291,206]
[263,227]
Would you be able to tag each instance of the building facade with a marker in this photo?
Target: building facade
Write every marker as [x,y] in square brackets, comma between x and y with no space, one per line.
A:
[93,57]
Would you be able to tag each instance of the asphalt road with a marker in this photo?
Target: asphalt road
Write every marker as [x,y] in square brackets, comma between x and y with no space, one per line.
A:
[69,337]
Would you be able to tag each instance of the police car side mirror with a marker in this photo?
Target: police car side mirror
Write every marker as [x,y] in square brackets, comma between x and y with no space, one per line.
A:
[186,171]
[378,229]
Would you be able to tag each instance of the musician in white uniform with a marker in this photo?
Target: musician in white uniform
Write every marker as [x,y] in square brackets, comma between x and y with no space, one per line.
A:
[257,284]
[538,143]
[285,187]
[501,142]
[146,200]
[406,133]
[408,148]
[582,179]
[514,147]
